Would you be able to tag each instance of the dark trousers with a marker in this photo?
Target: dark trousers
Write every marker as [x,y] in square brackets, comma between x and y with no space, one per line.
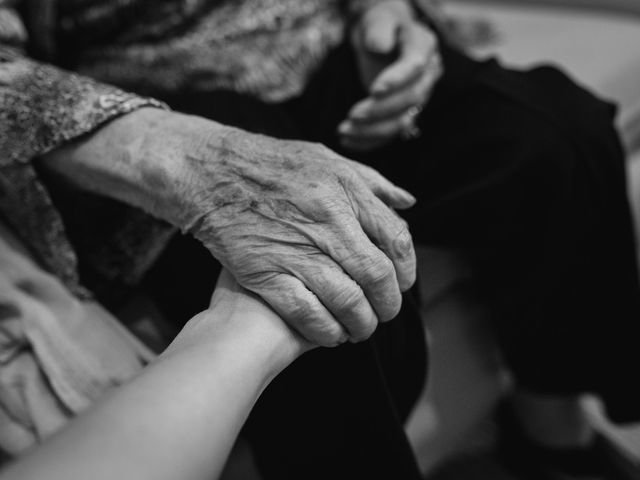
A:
[522,170]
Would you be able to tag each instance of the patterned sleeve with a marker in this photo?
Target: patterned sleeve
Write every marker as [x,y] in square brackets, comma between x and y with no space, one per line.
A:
[41,108]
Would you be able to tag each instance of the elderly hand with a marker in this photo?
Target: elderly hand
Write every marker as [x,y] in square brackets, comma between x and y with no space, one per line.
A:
[312,233]
[399,64]
[303,228]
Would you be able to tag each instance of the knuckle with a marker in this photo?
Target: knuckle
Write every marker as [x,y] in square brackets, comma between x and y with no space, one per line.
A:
[330,202]
[403,244]
[303,312]
[409,277]
[372,173]
[364,330]
[324,154]
[349,299]
[331,209]
[379,181]
[342,170]
[367,174]
[389,307]
[362,169]
[330,337]
[306,313]
[393,309]
[256,280]
[312,323]
[379,270]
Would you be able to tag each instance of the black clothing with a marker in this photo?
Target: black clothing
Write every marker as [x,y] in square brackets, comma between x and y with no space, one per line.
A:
[524,171]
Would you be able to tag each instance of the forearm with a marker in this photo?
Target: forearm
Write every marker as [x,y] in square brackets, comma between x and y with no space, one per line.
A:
[178,419]
[135,158]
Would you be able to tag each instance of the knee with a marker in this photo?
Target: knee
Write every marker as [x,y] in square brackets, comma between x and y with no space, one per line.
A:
[546,162]
[580,160]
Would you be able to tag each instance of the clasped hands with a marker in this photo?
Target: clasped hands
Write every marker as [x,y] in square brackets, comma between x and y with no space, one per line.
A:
[312,233]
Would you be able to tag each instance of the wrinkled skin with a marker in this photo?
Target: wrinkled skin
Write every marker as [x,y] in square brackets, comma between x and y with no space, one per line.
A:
[238,311]
[399,64]
[312,233]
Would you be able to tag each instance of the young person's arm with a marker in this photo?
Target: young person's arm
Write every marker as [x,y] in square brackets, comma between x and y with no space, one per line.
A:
[180,417]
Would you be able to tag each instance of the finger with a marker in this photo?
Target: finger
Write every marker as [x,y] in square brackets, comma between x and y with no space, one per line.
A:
[417,45]
[387,129]
[366,264]
[399,101]
[342,297]
[391,234]
[392,195]
[382,129]
[379,31]
[303,311]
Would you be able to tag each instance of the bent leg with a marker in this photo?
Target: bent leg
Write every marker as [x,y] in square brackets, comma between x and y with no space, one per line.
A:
[524,171]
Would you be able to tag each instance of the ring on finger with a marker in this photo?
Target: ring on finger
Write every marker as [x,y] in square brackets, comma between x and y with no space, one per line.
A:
[411,131]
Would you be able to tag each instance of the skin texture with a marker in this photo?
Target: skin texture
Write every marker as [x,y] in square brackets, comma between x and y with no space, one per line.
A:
[180,417]
[312,233]
[399,64]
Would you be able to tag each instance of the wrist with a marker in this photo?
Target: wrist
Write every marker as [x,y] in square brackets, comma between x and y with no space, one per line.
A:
[140,158]
[160,143]
[250,343]
[102,161]
[181,160]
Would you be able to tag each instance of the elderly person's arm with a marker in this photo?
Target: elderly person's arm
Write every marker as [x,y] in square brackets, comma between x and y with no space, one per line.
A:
[302,227]
[179,418]
[312,233]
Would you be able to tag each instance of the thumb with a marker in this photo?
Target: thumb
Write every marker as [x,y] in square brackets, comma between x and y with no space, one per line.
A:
[379,31]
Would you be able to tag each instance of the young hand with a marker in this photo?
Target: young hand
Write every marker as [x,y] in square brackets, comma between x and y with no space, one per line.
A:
[241,316]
